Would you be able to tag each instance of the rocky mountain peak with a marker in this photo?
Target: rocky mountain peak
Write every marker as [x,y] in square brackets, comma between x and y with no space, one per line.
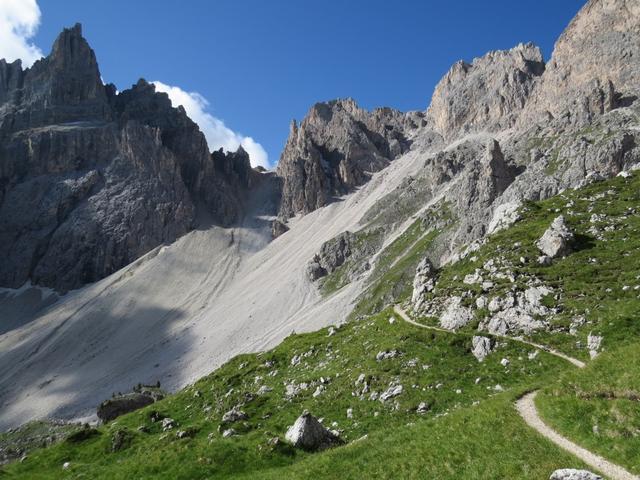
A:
[91,180]
[594,67]
[64,86]
[335,148]
[71,49]
[72,69]
[486,94]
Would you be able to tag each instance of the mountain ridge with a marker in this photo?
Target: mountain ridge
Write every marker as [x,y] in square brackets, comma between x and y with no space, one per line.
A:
[343,170]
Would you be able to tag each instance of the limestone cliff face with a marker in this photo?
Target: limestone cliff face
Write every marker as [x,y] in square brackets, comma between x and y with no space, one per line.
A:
[91,180]
[336,147]
[487,94]
[595,66]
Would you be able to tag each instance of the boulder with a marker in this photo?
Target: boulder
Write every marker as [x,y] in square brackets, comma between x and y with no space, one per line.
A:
[481,347]
[556,241]
[392,391]
[455,315]
[573,474]
[121,404]
[309,434]
[234,415]
[278,228]
[593,344]
[386,354]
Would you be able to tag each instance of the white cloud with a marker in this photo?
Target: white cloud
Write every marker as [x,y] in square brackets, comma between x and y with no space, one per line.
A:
[19,21]
[215,131]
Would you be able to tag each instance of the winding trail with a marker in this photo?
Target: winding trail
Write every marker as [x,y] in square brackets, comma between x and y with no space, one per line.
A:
[527,409]
[578,363]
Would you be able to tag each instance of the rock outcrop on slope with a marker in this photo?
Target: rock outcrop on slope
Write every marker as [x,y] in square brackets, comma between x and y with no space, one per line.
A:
[335,148]
[594,67]
[90,180]
[487,94]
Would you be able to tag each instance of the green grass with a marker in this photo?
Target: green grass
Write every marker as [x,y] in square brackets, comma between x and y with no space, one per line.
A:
[482,442]
[391,281]
[589,282]
[36,434]
[599,407]
[436,368]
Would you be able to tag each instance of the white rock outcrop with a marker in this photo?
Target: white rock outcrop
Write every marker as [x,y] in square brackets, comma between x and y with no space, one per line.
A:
[423,282]
[594,342]
[455,315]
[556,241]
[504,216]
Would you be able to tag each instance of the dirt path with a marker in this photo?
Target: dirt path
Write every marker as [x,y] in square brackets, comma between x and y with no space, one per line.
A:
[527,409]
[578,363]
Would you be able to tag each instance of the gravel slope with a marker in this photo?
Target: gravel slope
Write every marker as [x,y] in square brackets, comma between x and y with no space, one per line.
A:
[180,311]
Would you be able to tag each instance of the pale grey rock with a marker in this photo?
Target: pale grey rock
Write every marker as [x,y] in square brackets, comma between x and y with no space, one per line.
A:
[472,278]
[455,315]
[386,354]
[487,94]
[544,260]
[594,342]
[573,474]
[504,216]
[336,148]
[533,299]
[481,347]
[556,240]
[513,320]
[309,434]
[423,282]
[481,302]
[168,424]
[234,415]
[391,392]
[264,389]
[594,68]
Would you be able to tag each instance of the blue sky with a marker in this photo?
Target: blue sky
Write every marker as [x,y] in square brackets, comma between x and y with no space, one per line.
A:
[262,63]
